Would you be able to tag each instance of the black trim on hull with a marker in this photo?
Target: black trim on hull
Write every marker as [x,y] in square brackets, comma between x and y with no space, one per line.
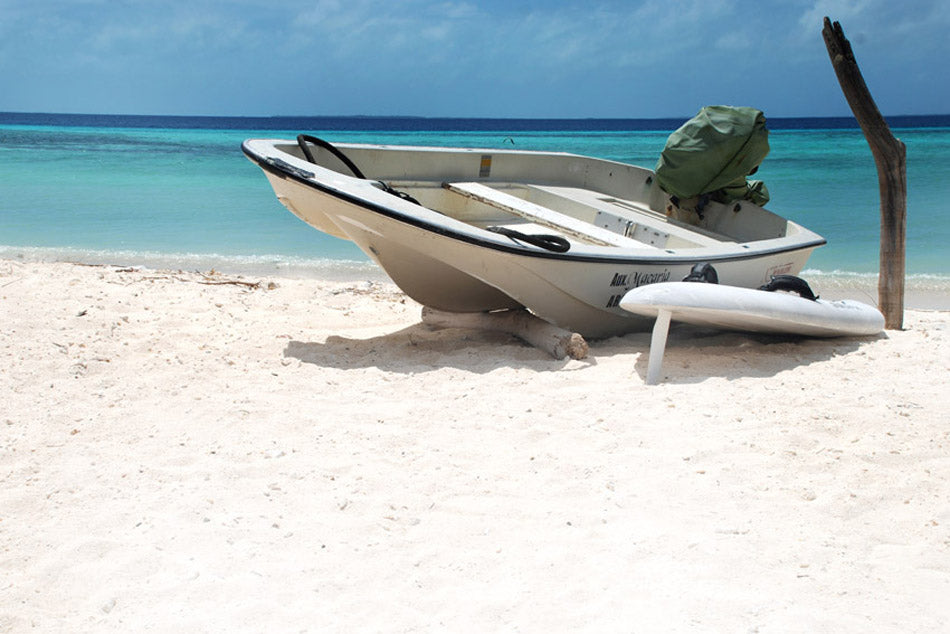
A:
[282,169]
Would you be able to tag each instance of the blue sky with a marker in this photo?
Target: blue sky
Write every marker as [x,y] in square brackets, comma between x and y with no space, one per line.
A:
[596,58]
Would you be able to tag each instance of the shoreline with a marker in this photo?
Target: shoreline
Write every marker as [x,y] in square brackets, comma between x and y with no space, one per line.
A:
[922,292]
[267,265]
[204,452]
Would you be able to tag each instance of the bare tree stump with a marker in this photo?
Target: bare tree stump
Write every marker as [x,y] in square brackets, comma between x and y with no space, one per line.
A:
[557,342]
[890,156]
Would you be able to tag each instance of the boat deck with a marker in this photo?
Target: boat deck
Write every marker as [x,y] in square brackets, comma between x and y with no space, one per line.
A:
[540,215]
[575,213]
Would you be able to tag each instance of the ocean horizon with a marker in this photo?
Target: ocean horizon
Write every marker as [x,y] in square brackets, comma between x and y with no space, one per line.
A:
[426,122]
[176,191]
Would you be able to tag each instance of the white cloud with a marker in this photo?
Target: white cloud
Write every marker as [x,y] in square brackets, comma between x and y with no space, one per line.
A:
[885,23]
[599,35]
[490,52]
[837,10]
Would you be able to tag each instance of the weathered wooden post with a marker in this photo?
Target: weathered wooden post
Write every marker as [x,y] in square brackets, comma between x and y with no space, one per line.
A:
[890,156]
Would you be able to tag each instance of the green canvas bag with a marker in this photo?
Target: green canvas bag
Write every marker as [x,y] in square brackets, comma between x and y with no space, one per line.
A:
[713,153]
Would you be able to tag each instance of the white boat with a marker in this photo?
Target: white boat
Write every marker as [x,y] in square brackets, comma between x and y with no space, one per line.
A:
[563,235]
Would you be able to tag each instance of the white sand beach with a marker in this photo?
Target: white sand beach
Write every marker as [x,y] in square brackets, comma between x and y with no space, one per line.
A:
[183,454]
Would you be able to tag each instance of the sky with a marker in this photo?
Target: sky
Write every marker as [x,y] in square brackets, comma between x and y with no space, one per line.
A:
[448,58]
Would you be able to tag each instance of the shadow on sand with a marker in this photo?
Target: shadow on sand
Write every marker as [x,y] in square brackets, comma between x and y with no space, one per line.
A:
[419,348]
[692,354]
[695,354]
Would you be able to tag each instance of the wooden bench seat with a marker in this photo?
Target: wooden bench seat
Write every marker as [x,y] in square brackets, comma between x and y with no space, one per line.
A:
[636,212]
[540,215]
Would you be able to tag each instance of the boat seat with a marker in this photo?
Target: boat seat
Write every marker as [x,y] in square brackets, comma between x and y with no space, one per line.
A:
[639,213]
[543,216]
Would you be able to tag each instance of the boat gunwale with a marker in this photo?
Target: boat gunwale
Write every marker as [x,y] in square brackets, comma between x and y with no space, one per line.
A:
[283,169]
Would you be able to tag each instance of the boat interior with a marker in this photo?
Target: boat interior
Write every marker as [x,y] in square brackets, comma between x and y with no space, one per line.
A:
[581,199]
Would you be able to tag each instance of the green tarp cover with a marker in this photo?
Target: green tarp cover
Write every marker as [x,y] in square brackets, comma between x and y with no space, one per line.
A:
[712,154]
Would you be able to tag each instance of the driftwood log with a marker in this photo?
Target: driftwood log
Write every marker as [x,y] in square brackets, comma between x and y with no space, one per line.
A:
[557,342]
[890,156]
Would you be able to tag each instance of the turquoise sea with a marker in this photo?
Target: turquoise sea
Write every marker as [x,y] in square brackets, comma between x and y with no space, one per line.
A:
[177,191]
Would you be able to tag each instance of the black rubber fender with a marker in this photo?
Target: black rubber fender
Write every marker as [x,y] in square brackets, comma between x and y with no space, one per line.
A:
[703,272]
[790,283]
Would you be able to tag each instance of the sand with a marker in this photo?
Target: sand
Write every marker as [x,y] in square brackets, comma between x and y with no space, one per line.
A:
[182,454]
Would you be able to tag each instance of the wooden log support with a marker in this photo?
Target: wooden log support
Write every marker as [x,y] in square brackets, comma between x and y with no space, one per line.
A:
[890,156]
[557,342]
